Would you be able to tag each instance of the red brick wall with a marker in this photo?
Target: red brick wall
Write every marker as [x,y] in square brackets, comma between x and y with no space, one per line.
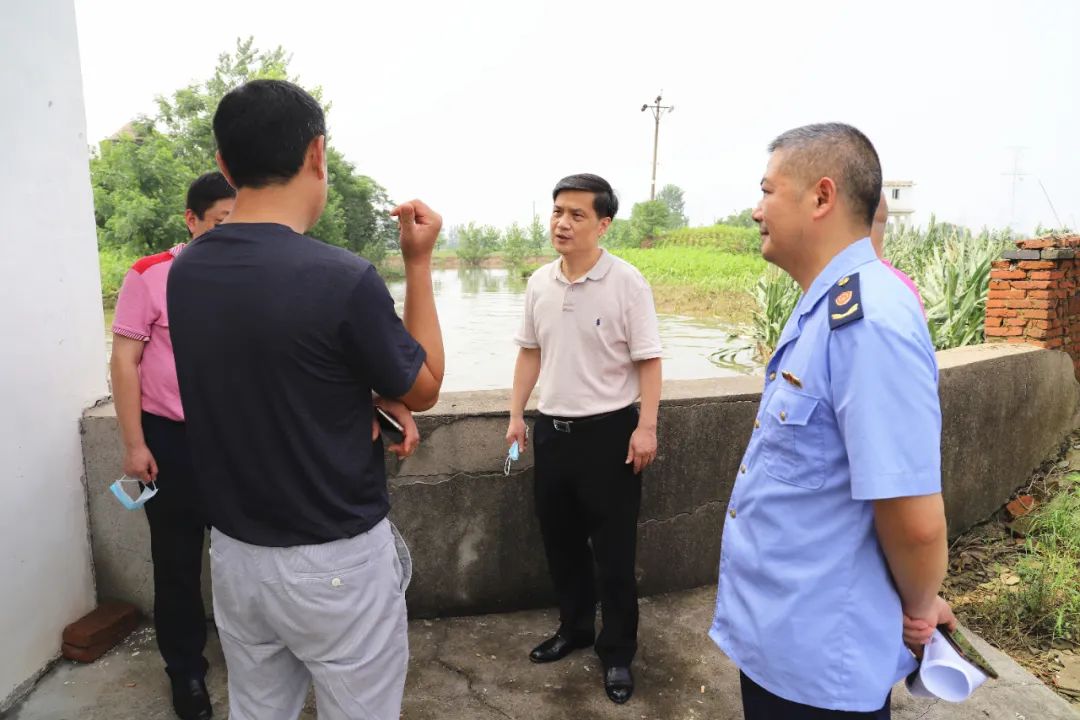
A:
[1034,295]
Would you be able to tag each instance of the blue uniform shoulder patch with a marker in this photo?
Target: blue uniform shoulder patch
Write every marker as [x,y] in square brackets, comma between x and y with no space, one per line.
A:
[845,303]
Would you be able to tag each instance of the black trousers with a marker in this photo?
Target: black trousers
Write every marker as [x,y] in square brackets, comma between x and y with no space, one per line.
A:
[760,704]
[585,492]
[177,529]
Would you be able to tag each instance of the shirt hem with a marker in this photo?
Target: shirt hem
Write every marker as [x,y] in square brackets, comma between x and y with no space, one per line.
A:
[130,334]
[572,413]
[915,485]
[413,372]
[297,540]
[802,700]
[647,355]
[160,412]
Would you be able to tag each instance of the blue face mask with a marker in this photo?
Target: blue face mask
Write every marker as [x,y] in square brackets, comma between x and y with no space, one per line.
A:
[126,500]
[511,457]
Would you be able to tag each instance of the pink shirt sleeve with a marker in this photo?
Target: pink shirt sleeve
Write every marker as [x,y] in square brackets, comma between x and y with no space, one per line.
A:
[134,310]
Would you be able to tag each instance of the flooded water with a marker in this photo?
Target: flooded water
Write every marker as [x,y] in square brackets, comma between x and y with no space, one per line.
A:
[480,311]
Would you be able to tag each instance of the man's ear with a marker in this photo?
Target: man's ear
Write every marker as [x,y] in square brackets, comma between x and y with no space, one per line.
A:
[316,156]
[825,197]
[190,219]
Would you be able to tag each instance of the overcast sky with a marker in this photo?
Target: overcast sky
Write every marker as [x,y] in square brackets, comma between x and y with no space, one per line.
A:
[480,107]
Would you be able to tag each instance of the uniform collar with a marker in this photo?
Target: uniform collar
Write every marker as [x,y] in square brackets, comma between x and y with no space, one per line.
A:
[175,249]
[596,272]
[843,264]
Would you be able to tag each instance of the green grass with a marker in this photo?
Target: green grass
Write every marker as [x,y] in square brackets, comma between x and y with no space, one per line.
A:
[1044,606]
[706,269]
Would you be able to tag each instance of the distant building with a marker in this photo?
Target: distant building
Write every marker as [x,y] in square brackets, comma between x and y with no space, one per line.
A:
[899,193]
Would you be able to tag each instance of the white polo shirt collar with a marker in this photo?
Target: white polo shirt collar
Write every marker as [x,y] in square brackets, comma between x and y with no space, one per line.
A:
[597,272]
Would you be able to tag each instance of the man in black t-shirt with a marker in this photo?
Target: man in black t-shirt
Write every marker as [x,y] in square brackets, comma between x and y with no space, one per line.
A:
[280,343]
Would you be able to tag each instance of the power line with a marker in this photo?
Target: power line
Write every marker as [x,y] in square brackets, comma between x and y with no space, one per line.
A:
[1017,176]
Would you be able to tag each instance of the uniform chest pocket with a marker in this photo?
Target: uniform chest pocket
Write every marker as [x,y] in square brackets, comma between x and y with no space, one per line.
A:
[792,449]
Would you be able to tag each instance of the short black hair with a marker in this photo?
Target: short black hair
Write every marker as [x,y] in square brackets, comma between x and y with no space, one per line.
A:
[838,151]
[206,190]
[604,201]
[263,129]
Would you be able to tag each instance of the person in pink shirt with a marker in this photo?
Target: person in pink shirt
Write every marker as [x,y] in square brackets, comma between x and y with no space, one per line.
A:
[147,399]
[877,237]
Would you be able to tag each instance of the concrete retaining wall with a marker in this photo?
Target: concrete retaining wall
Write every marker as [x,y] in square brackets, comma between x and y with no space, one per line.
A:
[475,540]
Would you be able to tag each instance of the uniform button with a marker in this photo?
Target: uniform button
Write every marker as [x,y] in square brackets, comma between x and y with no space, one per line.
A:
[772,376]
[336,582]
[732,513]
[757,423]
[783,416]
[743,469]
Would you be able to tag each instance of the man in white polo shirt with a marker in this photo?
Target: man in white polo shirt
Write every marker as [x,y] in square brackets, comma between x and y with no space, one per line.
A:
[590,336]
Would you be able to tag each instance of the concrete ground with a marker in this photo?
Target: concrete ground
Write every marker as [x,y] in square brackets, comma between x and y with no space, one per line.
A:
[476,668]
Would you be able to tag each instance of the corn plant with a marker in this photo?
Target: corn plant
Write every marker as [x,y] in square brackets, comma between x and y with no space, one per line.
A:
[949,264]
[954,280]
[775,295]
[951,268]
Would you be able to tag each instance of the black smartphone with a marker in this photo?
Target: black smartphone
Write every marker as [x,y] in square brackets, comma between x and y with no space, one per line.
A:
[391,429]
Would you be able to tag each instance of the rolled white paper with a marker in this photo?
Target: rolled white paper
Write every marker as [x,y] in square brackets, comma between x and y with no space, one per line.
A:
[944,673]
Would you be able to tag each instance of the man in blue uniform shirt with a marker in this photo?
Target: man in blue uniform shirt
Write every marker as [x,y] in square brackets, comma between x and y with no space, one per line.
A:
[834,546]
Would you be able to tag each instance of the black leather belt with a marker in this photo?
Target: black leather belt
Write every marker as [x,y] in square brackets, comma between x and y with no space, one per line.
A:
[567,424]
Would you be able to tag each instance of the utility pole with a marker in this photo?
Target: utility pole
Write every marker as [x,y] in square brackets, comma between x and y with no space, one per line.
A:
[657,110]
[1017,175]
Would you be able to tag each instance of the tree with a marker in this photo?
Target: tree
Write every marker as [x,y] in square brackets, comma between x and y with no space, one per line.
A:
[358,208]
[188,115]
[539,237]
[672,197]
[739,219]
[649,220]
[515,246]
[139,189]
[140,176]
[476,243]
[453,237]
[619,234]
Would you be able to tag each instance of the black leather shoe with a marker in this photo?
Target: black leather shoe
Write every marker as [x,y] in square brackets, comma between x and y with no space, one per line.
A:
[555,648]
[619,684]
[190,699]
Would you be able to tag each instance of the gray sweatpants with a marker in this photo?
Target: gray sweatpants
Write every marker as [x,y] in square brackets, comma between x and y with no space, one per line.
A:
[332,613]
